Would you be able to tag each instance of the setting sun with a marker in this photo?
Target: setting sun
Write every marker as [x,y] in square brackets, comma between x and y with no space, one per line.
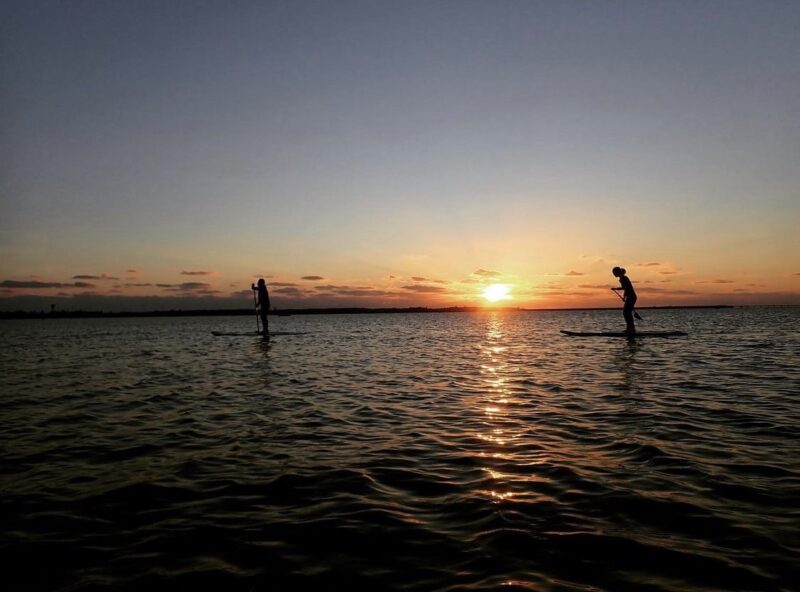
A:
[497,292]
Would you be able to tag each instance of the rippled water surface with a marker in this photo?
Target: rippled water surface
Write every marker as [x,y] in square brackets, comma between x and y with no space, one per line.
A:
[402,452]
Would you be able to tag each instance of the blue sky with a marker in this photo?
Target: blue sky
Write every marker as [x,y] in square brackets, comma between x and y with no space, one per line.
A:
[368,143]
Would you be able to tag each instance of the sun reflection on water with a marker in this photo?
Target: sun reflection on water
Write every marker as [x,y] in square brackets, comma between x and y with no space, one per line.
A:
[498,433]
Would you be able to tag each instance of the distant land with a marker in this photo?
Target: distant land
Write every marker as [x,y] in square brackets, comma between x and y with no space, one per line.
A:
[82,314]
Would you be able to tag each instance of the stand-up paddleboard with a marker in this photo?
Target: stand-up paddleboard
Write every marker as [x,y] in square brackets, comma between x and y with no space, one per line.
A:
[623,334]
[253,333]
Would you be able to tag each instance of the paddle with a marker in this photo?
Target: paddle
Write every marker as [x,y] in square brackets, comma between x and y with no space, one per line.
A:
[255,304]
[635,314]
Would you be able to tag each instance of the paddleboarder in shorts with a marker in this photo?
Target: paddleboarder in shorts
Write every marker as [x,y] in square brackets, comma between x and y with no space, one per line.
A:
[263,303]
[629,297]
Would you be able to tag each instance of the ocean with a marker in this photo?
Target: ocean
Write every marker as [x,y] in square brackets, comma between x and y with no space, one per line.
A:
[415,452]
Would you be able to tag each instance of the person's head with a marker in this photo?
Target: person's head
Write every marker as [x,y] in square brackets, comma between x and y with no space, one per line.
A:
[261,282]
[618,271]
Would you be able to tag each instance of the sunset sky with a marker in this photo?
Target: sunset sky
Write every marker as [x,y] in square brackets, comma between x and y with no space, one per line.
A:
[398,153]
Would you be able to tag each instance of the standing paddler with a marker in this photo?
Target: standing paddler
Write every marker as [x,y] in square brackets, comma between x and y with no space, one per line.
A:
[629,298]
[262,304]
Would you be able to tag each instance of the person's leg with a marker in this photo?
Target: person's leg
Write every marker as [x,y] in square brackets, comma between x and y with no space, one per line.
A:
[264,323]
[627,312]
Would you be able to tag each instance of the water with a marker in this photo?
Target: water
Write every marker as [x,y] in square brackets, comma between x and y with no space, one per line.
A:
[402,452]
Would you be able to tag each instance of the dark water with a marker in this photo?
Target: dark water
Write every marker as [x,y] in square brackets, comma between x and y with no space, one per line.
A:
[402,452]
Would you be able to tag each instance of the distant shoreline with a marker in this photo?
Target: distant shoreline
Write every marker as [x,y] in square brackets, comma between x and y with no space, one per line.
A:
[84,314]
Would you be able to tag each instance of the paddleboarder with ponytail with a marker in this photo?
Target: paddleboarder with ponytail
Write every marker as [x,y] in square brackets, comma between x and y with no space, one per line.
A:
[262,304]
[629,298]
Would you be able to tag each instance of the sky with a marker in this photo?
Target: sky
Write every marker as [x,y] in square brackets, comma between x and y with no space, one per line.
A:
[167,154]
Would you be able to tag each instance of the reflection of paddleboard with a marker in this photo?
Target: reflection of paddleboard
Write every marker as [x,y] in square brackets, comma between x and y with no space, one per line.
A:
[252,333]
[623,334]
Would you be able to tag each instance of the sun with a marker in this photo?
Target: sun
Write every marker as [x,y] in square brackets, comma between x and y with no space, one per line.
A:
[497,292]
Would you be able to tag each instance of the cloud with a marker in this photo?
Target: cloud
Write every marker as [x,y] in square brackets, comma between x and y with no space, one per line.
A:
[667,272]
[573,273]
[146,285]
[798,273]
[132,270]
[289,291]
[198,272]
[363,293]
[423,289]
[312,278]
[715,282]
[36,285]
[417,278]
[354,291]
[470,281]
[650,264]
[666,292]
[562,293]
[486,273]
[31,284]
[595,286]
[94,277]
[282,285]
[200,287]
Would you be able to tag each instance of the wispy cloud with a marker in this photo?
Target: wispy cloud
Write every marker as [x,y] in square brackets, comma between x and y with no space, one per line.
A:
[351,291]
[144,285]
[424,289]
[593,258]
[363,292]
[715,282]
[289,291]
[649,264]
[186,287]
[417,278]
[102,276]
[667,272]
[282,284]
[198,272]
[486,273]
[594,286]
[665,291]
[312,278]
[573,273]
[36,285]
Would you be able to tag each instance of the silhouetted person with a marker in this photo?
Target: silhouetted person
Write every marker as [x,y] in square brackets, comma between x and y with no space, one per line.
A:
[263,303]
[629,297]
